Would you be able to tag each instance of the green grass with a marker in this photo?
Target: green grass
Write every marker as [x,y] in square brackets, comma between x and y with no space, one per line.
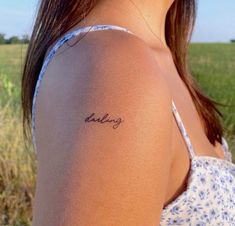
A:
[17,165]
[213,65]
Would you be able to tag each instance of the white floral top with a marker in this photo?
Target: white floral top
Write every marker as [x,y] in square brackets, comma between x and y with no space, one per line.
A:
[210,195]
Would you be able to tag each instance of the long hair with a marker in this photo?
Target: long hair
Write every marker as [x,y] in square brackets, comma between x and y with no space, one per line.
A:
[56,17]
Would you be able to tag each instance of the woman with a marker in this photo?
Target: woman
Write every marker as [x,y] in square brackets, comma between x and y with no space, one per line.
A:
[124,136]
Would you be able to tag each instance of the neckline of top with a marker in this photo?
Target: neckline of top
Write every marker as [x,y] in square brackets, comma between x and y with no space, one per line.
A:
[208,157]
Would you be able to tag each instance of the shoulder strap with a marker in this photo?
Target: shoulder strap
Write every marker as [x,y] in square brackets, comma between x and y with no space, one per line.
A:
[52,52]
[227,152]
[183,130]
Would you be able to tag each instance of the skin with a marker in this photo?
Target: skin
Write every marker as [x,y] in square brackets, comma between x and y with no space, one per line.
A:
[109,149]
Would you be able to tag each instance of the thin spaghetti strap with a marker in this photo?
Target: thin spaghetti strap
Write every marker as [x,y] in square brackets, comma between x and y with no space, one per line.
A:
[227,152]
[225,145]
[52,52]
[183,130]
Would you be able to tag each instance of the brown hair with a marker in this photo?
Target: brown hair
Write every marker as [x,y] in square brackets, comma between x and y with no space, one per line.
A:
[56,17]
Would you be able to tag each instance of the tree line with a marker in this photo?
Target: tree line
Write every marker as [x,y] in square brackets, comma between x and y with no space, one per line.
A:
[25,39]
[14,39]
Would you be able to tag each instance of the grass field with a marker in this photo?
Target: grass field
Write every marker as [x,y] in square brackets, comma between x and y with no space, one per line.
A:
[212,64]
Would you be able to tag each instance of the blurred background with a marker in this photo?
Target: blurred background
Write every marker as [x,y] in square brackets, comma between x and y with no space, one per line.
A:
[212,60]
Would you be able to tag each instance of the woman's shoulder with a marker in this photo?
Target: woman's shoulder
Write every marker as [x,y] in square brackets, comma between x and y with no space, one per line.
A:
[107,71]
[111,51]
[106,124]
[109,58]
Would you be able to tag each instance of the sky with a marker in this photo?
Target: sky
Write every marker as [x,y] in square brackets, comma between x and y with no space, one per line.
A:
[215,19]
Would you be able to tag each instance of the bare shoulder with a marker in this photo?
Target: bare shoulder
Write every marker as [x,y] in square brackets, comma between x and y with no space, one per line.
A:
[108,59]
[104,135]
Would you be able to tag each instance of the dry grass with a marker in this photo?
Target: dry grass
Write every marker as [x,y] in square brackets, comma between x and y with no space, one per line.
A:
[17,171]
[17,163]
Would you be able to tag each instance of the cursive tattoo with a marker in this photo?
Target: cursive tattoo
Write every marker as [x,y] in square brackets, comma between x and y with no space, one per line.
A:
[91,118]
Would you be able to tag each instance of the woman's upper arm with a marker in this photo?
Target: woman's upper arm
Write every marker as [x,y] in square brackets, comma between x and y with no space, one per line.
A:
[104,140]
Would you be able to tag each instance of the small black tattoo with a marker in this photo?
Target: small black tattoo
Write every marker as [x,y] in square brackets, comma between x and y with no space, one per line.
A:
[91,118]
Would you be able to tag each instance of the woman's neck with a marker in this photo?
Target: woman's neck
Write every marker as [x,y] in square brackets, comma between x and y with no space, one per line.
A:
[130,13]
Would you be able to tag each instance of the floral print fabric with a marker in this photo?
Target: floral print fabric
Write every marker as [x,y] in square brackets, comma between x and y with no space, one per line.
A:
[210,195]
[209,198]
